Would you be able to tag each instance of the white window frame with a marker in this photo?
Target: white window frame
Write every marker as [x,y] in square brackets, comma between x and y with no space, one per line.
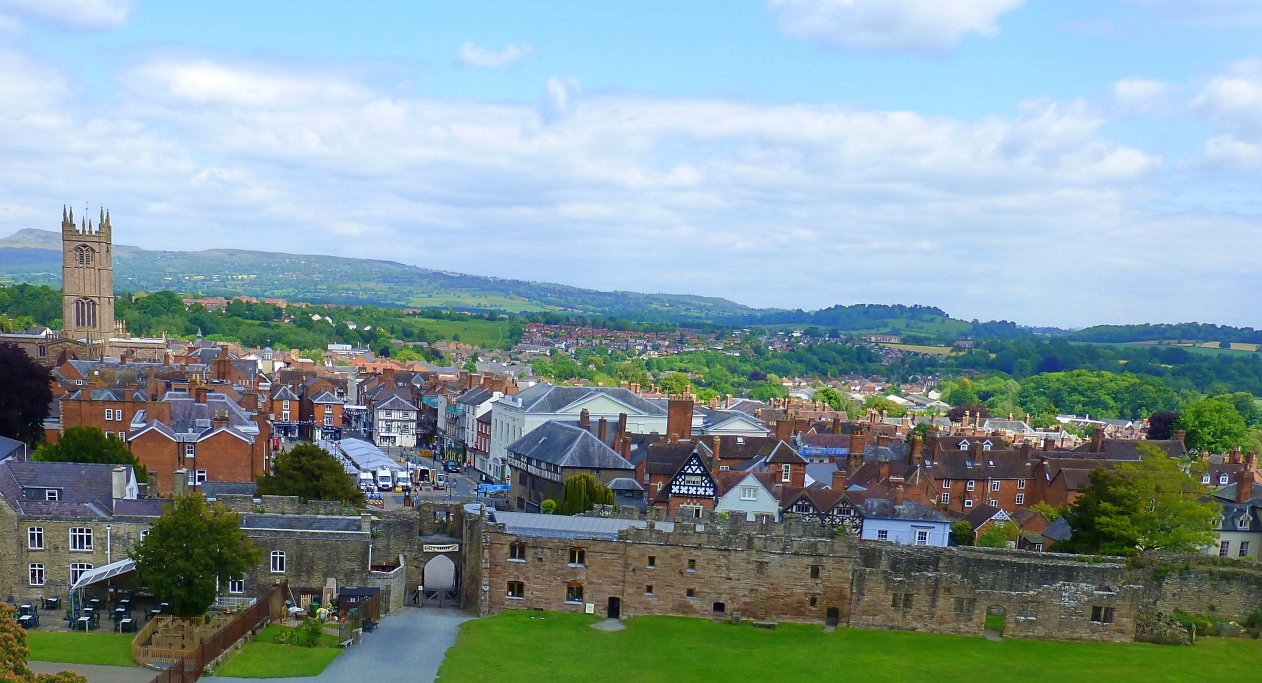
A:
[1224,549]
[946,497]
[968,502]
[992,503]
[109,414]
[970,485]
[786,472]
[77,570]
[1242,523]
[946,483]
[35,574]
[922,537]
[278,561]
[52,495]
[236,586]
[749,493]
[190,450]
[995,484]
[1020,483]
[34,538]
[1020,499]
[882,534]
[1244,549]
[1205,478]
[81,539]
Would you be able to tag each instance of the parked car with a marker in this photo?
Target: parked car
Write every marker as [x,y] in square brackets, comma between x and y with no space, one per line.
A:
[451,466]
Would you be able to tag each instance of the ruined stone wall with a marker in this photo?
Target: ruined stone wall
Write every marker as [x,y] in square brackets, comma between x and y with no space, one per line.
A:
[1227,590]
[285,505]
[950,590]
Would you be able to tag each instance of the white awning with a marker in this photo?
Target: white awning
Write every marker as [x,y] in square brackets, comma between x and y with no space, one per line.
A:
[109,571]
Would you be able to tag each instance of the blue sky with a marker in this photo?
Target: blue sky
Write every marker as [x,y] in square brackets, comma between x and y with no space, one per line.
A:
[1049,162]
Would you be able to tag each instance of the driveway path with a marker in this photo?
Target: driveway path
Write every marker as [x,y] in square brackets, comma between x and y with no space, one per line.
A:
[96,673]
[407,647]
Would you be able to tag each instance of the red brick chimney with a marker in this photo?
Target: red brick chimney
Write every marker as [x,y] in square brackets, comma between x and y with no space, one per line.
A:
[935,444]
[882,439]
[883,471]
[717,455]
[199,394]
[601,428]
[913,449]
[839,480]
[679,417]
[1049,443]
[626,447]
[783,429]
[585,419]
[1180,436]
[857,445]
[1236,456]
[622,425]
[1097,440]
[836,425]
[975,450]
[1244,484]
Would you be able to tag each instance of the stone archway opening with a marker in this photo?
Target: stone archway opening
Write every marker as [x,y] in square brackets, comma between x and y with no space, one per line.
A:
[440,582]
[996,615]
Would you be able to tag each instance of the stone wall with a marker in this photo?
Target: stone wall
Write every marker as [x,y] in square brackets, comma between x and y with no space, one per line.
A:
[1227,590]
[950,590]
[285,505]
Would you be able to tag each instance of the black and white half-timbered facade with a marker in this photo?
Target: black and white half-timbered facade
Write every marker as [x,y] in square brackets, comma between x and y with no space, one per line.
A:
[691,489]
[830,508]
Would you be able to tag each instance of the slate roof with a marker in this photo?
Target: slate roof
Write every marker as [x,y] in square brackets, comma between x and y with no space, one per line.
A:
[475,396]
[991,465]
[212,489]
[327,397]
[284,393]
[9,447]
[624,484]
[1058,530]
[781,452]
[830,441]
[1128,449]
[395,402]
[84,489]
[727,480]
[822,473]
[740,447]
[547,398]
[300,522]
[884,508]
[981,514]
[568,446]
[665,458]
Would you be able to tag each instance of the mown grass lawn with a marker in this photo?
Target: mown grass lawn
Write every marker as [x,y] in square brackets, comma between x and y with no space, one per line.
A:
[263,658]
[111,649]
[557,647]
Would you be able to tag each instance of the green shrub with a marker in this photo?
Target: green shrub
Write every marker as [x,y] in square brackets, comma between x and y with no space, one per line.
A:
[311,632]
[548,506]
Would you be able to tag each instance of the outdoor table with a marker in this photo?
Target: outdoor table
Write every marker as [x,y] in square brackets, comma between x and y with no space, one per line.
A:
[126,625]
[84,621]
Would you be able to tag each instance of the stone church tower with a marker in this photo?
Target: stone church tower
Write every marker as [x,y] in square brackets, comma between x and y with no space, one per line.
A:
[87,278]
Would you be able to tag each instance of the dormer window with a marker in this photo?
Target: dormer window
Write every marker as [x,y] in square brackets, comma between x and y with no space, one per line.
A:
[986,447]
[1243,523]
[1205,479]
[963,445]
[1223,479]
[52,494]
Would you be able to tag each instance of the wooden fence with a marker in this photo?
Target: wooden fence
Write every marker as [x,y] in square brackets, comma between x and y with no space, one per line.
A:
[185,665]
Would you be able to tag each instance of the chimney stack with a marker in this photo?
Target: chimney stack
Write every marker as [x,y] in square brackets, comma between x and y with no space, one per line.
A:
[913,449]
[180,484]
[602,428]
[857,445]
[836,425]
[718,441]
[679,417]
[1097,440]
[199,394]
[118,482]
[626,448]
[1244,485]
[622,425]
[1048,444]
[585,419]
[975,450]
[365,523]
[883,471]
[1236,456]
[899,493]
[882,439]
[839,480]
[1180,436]
[1025,450]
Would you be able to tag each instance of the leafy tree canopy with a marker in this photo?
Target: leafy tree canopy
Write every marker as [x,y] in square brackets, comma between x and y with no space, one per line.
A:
[25,395]
[89,444]
[1157,503]
[14,654]
[188,549]
[962,532]
[1213,426]
[311,473]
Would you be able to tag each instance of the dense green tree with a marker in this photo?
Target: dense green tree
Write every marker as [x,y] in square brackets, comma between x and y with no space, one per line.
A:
[311,473]
[1212,426]
[962,532]
[1161,425]
[25,395]
[674,383]
[882,404]
[89,444]
[831,397]
[1156,503]
[582,493]
[14,654]
[998,535]
[190,549]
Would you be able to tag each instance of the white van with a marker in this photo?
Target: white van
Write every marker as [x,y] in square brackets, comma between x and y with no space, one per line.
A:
[440,480]
[365,481]
[385,479]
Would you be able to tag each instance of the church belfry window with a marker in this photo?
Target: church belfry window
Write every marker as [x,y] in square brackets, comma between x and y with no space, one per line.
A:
[85,313]
[84,255]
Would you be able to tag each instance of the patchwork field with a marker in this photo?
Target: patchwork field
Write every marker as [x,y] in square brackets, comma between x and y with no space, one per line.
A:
[527,646]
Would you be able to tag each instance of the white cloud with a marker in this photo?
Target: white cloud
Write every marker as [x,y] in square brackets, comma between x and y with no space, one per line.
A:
[74,14]
[889,25]
[1227,151]
[758,203]
[471,54]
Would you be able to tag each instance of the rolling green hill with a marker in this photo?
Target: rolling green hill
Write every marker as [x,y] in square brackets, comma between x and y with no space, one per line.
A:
[34,256]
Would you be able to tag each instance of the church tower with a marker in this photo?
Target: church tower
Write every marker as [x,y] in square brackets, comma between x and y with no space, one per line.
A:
[87,278]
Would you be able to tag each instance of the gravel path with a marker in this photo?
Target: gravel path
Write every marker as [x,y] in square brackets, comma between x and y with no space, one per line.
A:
[407,647]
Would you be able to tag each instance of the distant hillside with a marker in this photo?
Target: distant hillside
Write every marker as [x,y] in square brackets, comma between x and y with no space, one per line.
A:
[34,256]
[1116,334]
